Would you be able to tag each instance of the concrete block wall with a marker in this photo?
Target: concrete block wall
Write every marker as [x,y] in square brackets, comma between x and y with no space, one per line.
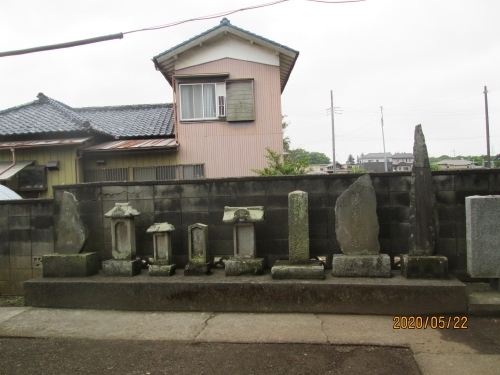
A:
[26,227]
[26,234]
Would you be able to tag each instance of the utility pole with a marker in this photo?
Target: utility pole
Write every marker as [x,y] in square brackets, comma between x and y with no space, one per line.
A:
[333,132]
[383,137]
[487,126]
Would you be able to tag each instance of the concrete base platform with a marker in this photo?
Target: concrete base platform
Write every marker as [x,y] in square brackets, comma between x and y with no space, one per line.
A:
[126,268]
[70,265]
[483,300]
[159,269]
[218,293]
[361,265]
[284,270]
[197,269]
[424,267]
[244,266]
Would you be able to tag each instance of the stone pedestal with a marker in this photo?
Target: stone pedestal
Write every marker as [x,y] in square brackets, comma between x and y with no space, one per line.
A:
[161,269]
[424,267]
[284,270]
[378,265]
[115,267]
[197,269]
[70,265]
[244,266]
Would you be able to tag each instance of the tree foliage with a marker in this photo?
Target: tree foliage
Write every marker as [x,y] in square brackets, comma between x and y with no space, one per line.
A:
[350,159]
[278,166]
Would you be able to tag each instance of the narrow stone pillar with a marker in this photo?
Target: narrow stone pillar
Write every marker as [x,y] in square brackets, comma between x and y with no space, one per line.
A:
[162,247]
[421,261]
[299,264]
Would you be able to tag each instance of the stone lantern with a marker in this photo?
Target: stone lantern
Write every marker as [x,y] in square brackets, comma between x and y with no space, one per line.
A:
[244,261]
[123,244]
[162,244]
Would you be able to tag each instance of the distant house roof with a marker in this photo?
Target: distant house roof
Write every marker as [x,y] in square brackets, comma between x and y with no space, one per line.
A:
[402,156]
[456,162]
[403,164]
[47,115]
[376,155]
[165,61]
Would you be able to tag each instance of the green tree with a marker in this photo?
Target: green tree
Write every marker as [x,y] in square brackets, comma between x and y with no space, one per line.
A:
[278,166]
[435,167]
[350,159]
[286,140]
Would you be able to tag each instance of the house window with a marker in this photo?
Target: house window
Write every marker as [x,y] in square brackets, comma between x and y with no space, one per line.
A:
[232,100]
[202,101]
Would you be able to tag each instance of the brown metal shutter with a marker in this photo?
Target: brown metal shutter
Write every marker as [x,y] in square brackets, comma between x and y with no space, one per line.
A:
[240,100]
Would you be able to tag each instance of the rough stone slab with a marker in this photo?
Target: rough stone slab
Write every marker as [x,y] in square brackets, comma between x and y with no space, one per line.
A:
[161,269]
[70,231]
[482,219]
[424,267]
[356,222]
[196,269]
[298,227]
[7,313]
[361,265]
[70,265]
[128,268]
[284,270]
[218,293]
[244,266]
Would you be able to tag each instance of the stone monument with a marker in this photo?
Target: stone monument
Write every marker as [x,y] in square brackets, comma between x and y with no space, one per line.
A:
[162,247]
[356,226]
[482,217]
[299,264]
[198,264]
[123,246]
[421,261]
[71,235]
[244,261]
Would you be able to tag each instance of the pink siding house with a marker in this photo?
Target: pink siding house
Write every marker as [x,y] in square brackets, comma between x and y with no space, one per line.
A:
[227,85]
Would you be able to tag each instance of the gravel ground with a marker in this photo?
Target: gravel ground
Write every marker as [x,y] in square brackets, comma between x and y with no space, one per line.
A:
[70,356]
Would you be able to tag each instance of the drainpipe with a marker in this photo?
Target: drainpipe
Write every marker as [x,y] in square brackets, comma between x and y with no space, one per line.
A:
[77,161]
[13,150]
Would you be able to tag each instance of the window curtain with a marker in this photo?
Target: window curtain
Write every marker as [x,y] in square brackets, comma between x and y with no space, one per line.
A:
[209,101]
[187,105]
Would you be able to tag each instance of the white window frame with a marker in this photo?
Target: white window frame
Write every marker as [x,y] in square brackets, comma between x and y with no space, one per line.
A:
[220,90]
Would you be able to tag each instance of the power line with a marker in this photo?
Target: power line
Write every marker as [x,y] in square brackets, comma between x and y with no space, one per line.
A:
[120,35]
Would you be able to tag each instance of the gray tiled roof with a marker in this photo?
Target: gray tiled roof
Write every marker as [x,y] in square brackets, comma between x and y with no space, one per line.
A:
[402,155]
[47,115]
[224,22]
[376,155]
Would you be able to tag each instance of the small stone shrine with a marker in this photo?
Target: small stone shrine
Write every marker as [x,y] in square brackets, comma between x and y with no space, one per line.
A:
[123,246]
[198,264]
[421,261]
[162,247]
[482,217]
[356,226]
[299,265]
[244,261]
[71,235]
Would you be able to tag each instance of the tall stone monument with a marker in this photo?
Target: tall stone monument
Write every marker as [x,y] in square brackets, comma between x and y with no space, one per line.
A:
[244,261]
[356,226]
[198,243]
[123,244]
[421,261]
[71,235]
[162,247]
[299,264]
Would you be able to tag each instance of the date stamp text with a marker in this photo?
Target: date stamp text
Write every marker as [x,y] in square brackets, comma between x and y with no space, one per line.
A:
[429,322]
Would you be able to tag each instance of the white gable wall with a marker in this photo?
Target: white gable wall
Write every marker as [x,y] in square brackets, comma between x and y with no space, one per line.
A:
[230,46]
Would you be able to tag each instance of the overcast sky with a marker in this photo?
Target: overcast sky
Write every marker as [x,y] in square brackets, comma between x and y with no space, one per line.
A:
[425,61]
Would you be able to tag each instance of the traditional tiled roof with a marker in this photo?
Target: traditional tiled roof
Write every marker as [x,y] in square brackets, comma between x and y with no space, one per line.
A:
[47,115]
[44,115]
[402,155]
[376,155]
[149,120]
